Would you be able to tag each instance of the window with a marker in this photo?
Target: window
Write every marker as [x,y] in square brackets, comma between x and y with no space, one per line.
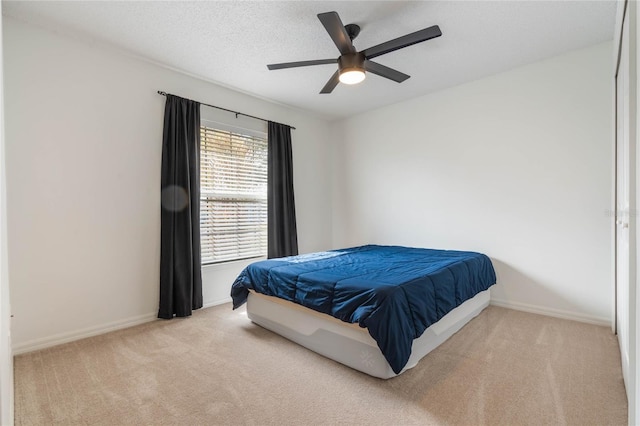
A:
[233,195]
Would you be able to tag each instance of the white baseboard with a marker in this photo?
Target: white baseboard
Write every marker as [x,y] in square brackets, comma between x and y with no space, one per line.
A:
[216,302]
[551,312]
[60,338]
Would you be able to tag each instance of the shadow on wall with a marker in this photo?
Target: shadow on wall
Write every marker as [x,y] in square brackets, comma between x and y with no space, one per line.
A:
[517,290]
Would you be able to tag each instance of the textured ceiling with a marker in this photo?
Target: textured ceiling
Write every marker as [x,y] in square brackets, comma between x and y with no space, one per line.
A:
[230,42]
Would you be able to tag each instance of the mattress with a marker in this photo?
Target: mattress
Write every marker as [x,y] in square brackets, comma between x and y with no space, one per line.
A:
[349,344]
[393,292]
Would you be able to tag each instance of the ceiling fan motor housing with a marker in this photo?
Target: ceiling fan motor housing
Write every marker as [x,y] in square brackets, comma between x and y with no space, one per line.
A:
[351,61]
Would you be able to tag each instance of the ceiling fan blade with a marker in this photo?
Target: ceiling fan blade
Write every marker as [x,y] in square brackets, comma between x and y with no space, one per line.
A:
[301,64]
[331,84]
[335,28]
[384,71]
[401,42]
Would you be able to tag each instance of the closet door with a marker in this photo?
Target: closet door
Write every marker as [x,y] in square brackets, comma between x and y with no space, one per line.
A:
[627,185]
[623,164]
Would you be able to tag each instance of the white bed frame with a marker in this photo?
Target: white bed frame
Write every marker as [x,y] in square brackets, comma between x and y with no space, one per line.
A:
[350,344]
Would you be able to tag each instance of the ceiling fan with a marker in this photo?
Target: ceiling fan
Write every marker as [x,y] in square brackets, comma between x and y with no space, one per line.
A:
[353,64]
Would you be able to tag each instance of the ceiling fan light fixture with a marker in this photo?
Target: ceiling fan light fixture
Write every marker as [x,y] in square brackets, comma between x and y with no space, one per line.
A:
[352,75]
[351,66]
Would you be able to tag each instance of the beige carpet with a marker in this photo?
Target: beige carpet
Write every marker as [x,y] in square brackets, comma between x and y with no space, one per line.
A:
[504,367]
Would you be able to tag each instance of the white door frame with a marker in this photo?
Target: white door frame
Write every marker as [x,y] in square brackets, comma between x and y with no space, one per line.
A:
[6,354]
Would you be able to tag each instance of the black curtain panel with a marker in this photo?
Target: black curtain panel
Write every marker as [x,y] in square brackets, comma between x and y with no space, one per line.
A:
[282,234]
[180,269]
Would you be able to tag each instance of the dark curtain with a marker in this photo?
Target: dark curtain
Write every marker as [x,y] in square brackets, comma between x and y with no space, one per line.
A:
[180,269]
[282,234]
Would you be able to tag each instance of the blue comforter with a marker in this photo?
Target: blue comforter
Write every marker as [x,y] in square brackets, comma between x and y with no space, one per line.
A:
[395,292]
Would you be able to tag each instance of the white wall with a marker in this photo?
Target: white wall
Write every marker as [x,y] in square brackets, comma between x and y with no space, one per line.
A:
[84,135]
[517,166]
[6,357]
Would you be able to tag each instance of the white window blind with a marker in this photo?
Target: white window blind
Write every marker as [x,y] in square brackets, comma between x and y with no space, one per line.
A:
[233,195]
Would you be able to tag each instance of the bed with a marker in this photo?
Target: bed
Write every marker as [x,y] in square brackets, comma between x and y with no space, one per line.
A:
[378,309]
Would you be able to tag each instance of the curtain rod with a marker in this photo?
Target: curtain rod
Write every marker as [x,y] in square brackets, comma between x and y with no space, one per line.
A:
[160,92]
